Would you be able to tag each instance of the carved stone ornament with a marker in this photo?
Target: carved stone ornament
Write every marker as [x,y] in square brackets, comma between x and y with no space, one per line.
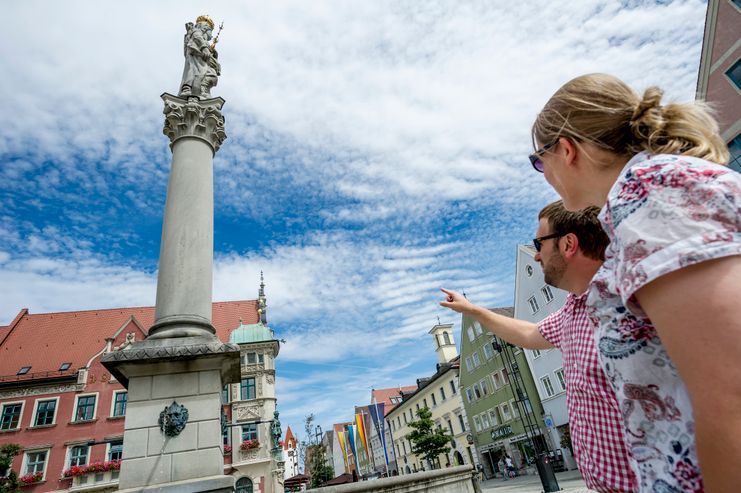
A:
[173,419]
[248,413]
[194,118]
[50,389]
[270,379]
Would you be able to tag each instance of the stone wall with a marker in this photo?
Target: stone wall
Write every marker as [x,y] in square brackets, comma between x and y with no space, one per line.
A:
[449,480]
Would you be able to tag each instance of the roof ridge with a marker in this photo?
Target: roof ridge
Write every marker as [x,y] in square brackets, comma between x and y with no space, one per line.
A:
[121,308]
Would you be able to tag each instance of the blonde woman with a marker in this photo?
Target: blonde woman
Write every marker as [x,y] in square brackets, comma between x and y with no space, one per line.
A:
[666,300]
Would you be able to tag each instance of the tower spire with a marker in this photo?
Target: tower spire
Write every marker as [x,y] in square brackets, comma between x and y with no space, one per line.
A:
[262,306]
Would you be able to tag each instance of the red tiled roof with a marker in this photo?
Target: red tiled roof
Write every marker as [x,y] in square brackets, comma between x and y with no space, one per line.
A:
[385,395]
[44,341]
[289,438]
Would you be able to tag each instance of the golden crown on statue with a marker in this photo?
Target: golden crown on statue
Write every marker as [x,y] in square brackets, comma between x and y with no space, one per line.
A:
[206,19]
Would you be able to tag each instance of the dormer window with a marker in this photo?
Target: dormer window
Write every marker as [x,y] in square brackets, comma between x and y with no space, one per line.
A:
[65,366]
[23,370]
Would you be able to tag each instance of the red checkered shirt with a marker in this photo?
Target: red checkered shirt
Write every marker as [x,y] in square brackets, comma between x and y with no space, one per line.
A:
[595,422]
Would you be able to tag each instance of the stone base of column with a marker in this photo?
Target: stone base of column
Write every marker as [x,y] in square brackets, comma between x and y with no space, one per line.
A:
[181,326]
[162,375]
[214,484]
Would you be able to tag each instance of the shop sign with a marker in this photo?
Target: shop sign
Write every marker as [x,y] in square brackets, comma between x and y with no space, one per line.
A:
[502,431]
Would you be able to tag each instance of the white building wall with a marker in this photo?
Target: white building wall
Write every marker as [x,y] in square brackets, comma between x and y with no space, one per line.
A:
[529,285]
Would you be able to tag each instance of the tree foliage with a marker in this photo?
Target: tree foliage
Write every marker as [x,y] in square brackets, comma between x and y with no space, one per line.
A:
[428,441]
[8,477]
[321,471]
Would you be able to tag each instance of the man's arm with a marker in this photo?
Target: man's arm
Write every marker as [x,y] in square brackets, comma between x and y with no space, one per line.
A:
[697,314]
[517,332]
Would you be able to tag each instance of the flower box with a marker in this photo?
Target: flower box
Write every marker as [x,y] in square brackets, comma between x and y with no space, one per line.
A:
[249,444]
[31,478]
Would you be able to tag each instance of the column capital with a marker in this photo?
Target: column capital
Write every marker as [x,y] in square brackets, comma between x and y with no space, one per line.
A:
[200,119]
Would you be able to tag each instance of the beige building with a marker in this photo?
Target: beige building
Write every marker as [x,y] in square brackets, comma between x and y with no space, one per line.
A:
[439,393]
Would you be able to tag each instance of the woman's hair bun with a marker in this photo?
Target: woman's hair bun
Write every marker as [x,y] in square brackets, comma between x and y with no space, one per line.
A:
[647,118]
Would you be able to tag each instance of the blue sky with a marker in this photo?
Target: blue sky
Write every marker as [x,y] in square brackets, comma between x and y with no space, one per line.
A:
[376,151]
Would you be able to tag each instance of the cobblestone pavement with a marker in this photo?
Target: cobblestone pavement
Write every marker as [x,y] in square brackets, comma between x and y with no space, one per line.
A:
[569,482]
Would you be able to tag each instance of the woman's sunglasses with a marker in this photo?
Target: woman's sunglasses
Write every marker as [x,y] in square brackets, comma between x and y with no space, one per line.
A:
[535,158]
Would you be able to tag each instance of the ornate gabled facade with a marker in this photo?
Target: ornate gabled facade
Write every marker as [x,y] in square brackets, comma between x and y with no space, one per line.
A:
[256,454]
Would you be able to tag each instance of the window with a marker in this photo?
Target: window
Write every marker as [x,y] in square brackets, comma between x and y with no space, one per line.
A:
[505,376]
[11,416]
[536,353]
[734,73]
[462,422]
[119,403]
[469,394]
[23,370]
[247,389]
[434,401]
[417,404]
[85,408]
[225,394]
[252,358]
[78,455]
[244,485]
[45,411]
[450,427]
[469,363]
[405,418]
[249,432]
[506,412]
[734,147]
[533,304]
[485,420]
[36,461]
[529,270]
[477,328]
[115,450]
[488,351]
[452,387]
[561,378]
[494,416]
[446,338]
[442,393]
[547,293]
[65,366]
[477,423]
[484,387]
[395,400]
[476,359]
[497,379]
[547,386]
[471,335]
[477,390]
[514,408]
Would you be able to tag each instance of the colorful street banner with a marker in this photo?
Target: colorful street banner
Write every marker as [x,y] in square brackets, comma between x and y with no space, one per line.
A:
[377,417]
[351,439]
[341,439]
[361,432]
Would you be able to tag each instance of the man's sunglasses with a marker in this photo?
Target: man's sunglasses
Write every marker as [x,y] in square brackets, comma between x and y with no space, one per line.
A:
[535,158]
[538,242]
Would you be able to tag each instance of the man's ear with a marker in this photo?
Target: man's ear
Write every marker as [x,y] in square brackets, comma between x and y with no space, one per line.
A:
[570,245]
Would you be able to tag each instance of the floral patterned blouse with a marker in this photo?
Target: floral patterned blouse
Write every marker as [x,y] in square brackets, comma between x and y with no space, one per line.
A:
[664,213]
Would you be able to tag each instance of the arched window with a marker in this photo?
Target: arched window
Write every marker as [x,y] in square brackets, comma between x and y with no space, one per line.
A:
[446,337]
[244,485]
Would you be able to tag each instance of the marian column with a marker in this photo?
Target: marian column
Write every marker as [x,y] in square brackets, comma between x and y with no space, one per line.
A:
[172,437]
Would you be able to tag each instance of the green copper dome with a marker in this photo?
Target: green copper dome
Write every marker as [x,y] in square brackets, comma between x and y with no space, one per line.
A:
[245,334]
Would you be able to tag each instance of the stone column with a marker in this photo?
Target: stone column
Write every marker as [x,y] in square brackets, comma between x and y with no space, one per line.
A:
[184,282]
[172,432]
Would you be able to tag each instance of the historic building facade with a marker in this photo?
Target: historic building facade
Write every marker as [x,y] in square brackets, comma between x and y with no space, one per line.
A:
[67,412]
[439,393]
[500,397]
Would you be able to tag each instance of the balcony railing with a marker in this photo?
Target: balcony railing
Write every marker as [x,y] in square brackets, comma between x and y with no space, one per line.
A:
[95,480]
